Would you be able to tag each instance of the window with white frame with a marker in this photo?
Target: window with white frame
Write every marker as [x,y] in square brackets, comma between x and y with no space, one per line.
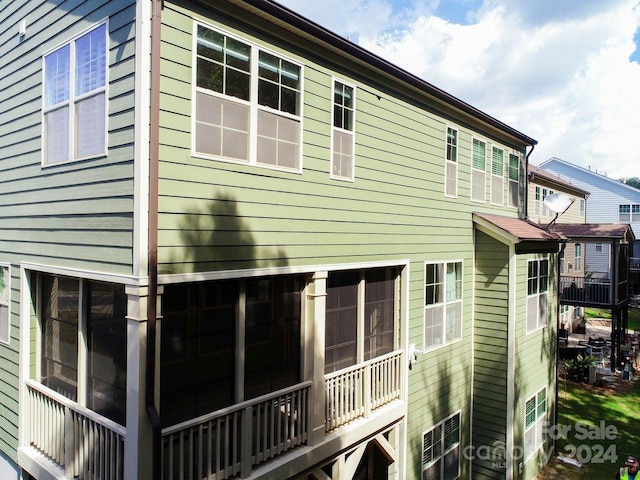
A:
[5,303]
[582,207]
[537,294]
[514,180]
[624,213]
[443,304]
[83,350]
[451,164]
[441,450]
[360,316]
[635,213]
[497,176]
[75,99]
[478,170]
[598,248]
[247,103]
[578,257]
[535,422]
[343,158]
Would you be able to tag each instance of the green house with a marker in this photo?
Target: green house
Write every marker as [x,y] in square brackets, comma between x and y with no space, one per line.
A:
[237,245]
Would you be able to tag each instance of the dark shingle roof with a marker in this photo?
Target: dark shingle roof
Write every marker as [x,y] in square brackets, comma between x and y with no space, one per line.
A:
[595,230]
[522,230]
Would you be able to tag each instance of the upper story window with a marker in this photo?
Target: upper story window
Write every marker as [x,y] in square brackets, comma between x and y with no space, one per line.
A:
[541,208]
[535,413]
[75,99]
[247,103]
[478,170]
[343,158]
[537,294]
[629,213]
[443,304]
[514,180]
[497,176]
[582,207]
[451,164]
[5,303]
[441,450]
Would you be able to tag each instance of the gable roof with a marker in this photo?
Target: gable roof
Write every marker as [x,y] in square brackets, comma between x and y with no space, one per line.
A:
[527,236]
[555,179]
[297,24]
[596,176]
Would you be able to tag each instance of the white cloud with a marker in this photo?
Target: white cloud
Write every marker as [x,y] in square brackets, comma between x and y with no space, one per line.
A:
[559,73]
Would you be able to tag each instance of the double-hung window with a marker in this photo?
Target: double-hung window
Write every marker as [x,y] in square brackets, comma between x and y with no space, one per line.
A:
[624,213]
[537,294]
[5,303]
[635,213]
[451,164]
[578,257]
[443,304]
[478,171]
[343,143]
[75,99]
[497,176]
[535,422]
[441,450]
[514,180]
[247,103]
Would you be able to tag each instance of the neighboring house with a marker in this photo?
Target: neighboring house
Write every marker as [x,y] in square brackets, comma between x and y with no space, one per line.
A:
[237,245]
[571,260]
[610,201]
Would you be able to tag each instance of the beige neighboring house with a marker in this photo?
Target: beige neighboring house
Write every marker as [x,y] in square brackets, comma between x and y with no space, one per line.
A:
[542,184]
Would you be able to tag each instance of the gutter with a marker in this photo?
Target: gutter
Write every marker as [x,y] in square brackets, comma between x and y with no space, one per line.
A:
[152,297]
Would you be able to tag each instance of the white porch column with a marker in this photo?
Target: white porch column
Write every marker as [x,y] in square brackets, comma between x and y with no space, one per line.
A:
[314,352]
[139,441]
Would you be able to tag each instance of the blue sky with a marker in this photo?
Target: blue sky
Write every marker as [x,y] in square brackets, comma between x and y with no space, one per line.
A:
[565,72]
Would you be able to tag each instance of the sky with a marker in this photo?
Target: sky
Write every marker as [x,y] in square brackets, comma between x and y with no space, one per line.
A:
[564,72]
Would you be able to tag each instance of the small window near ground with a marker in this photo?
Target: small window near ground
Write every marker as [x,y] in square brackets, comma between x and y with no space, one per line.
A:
[535,422]
[441,450]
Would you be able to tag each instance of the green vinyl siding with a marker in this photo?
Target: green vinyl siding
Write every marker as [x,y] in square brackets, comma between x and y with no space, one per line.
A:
[79,214]
[491,367]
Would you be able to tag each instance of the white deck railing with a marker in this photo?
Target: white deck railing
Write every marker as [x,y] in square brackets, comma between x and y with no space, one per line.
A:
[84,444]
[356,391]
[232,441]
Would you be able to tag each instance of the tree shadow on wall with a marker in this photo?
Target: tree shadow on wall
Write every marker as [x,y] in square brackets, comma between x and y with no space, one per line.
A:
[218,237]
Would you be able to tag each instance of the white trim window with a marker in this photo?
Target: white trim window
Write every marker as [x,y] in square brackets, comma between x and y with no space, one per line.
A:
[497,176]
[441,450]
[75,99]
[624,213]
[5,303]
[478,171]
[635,213]
[582,207]
[535,415]
[537,294]
[578,257]
[451,164]
[514,180]
[343,141]
[247,103]
[443,304]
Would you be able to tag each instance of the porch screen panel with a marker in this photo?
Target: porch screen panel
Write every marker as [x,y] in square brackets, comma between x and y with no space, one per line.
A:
[341,320]
[379,312]
[60,300]
[272,330]
[197,349]
[107,351]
